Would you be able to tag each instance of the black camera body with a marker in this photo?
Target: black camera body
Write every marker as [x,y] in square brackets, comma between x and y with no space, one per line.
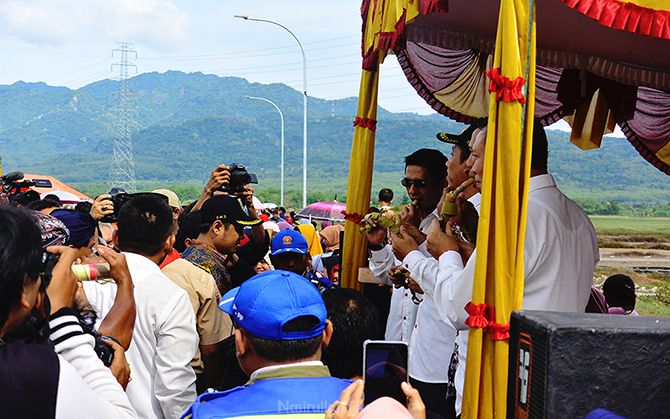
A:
[104,351]
[119,197]
[239,178]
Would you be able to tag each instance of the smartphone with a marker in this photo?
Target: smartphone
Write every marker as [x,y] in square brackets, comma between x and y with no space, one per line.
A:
[384,369]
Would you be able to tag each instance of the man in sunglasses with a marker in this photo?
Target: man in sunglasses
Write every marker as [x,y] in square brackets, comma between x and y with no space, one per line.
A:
[431,339]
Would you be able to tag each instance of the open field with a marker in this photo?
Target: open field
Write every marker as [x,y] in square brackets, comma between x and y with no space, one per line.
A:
[630,244]
[614,225]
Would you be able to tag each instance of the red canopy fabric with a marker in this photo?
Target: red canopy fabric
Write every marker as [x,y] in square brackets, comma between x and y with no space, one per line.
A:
[445,56]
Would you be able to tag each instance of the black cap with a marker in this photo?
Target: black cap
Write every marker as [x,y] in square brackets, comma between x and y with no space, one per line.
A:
[227,209]
[462,140]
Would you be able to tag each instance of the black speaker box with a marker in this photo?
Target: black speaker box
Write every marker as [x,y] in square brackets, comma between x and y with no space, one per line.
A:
[564,365]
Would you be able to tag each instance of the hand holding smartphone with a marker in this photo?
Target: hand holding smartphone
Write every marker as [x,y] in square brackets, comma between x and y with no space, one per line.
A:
[384,370]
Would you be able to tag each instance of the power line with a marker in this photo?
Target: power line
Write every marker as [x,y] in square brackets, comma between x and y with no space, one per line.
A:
[238,53]
[235,55]
[106,60]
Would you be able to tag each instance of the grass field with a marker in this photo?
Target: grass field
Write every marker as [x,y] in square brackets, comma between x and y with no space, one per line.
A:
[614,225]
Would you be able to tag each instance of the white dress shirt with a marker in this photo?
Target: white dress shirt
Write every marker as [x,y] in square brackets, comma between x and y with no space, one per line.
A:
[164,340]
[560,255]
[432,341]
[403,311]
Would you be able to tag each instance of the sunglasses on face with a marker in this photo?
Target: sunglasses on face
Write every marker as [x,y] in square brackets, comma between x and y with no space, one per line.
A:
[417,183]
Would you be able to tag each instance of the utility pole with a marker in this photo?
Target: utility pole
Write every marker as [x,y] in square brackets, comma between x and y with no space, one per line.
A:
[123,166]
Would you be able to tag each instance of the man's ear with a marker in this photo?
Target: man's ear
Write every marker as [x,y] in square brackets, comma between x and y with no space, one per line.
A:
[115,238]
[217,228]
[241,343]
[327,334]
[169,244]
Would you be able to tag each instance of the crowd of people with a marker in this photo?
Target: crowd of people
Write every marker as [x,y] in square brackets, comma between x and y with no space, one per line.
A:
[135,305]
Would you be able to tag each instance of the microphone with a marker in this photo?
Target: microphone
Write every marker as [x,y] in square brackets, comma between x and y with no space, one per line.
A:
[13,176]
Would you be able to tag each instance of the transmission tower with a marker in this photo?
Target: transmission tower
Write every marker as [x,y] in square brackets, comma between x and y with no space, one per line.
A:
[123,166]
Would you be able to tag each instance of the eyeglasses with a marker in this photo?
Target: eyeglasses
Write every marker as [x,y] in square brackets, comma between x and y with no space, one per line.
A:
[417,183]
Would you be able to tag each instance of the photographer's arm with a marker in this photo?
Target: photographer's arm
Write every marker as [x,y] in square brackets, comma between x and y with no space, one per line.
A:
[86,388]
[220,176]
[247,197]
[120,320]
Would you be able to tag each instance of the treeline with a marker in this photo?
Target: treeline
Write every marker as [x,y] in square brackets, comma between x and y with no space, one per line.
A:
[594,207]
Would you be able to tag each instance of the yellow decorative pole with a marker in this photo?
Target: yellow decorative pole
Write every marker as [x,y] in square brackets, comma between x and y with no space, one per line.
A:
[383,26]
[499,274]
[360,177]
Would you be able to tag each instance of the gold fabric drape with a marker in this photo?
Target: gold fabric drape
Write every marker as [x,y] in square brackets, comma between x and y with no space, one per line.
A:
[360,180]
[499,273]
[383,26]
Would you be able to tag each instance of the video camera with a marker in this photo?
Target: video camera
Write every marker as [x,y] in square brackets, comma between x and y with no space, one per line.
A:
[14,186]
[239,178]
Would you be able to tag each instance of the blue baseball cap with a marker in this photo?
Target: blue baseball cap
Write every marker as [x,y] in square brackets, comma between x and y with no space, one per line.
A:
[263,304]
[288,241]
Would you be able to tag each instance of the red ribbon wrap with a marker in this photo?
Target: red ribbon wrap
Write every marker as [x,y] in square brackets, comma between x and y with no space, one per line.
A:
[506,90]
[477,315]
[368,123]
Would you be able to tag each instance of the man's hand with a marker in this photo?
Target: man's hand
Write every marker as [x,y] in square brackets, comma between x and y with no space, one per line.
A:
[120,368]
[376,236]
[410,216]
[403,243]
[414,403]
[350,402]
[220,176]
[102,206]
[440,241]
[118,267]
[246,195]
[63,284]
[415,233]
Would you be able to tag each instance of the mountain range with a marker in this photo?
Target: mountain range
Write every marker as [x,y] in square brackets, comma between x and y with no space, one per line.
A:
[184,124]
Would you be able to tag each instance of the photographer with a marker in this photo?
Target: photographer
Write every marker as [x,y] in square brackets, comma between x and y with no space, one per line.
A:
[35,380]
[234,181]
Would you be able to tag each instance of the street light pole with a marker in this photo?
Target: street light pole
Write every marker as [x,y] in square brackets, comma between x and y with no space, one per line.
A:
[281,175]
[304,107]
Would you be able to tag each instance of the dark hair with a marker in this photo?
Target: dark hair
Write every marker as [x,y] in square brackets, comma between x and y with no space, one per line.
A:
[83,206]
[619,291]
[288,350]
[53,197]
[189,228]
[43,204]
[432,160]
[385,194]
[355,319]
[145,222]
[540,153]
[20,256]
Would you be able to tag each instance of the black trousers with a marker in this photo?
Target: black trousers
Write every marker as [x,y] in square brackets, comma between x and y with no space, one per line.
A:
[434,396]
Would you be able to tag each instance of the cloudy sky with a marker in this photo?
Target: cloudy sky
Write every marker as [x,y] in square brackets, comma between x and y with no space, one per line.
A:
[69,43]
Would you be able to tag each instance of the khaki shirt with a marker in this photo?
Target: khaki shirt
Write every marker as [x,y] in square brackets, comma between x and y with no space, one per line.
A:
[212,324]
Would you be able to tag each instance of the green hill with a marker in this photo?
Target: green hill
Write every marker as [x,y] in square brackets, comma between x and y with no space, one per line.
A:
[185,124]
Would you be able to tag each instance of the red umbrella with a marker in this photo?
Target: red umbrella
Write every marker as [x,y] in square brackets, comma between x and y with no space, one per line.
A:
[331,211]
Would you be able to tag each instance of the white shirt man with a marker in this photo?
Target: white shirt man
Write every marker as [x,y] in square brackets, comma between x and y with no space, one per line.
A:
[560,255]
[164,340]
